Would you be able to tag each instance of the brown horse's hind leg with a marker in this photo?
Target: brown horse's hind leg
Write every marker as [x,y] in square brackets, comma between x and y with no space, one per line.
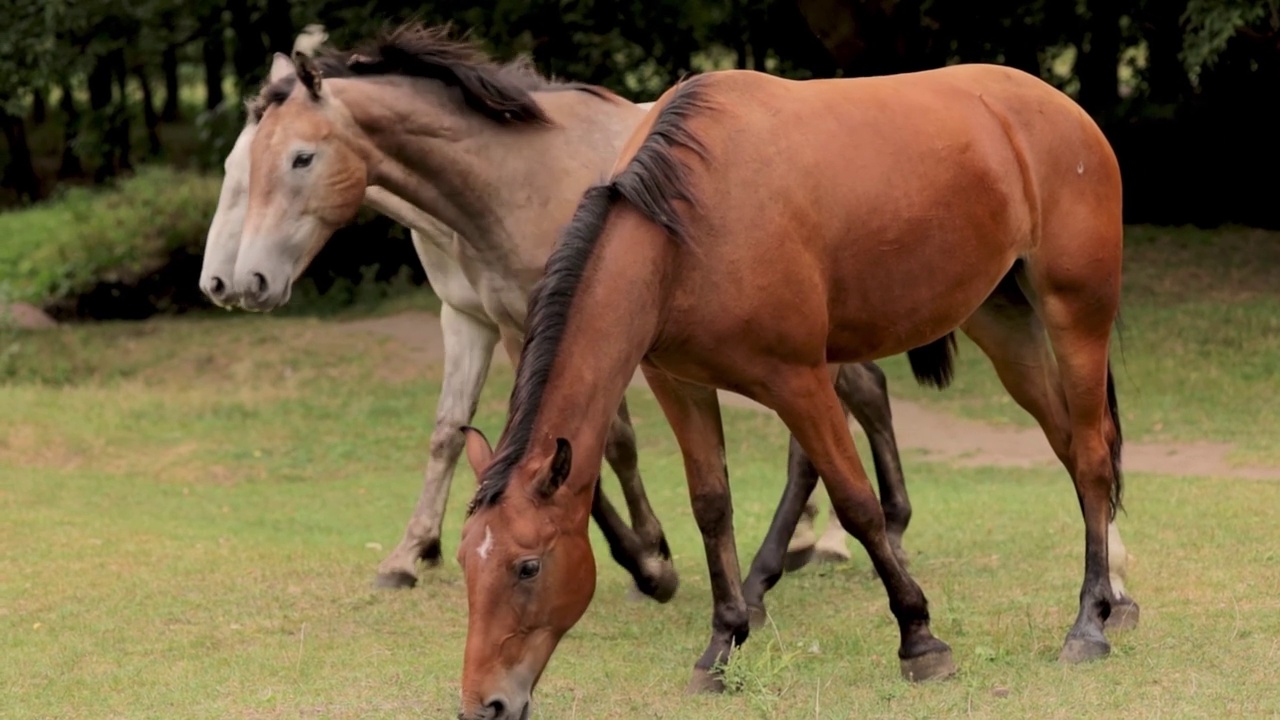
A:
[807,403]
[654,572]
[1008,330]
[1078,306]
[694,414]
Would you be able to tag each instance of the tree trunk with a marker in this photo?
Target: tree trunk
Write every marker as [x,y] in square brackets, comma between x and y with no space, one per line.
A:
[100,91]
[71,165]
[215,59]
[149,115]
[120,132]
[172,110]
[279,26]
[39,107]
[250,55]
[1167,79]
[1098,67]
[21,173]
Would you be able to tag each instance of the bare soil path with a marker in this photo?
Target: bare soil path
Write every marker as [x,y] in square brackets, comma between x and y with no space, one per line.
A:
[938,435]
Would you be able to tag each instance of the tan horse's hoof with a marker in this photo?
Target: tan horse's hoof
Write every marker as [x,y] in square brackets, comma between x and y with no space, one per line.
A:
[831,555]
[796,559]
[1124,616]
[704,682]
[757,617]
[1078,650]
[397,580]
[930,666]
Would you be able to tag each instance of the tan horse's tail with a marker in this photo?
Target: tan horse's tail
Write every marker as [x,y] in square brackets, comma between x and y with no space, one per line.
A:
[934,364]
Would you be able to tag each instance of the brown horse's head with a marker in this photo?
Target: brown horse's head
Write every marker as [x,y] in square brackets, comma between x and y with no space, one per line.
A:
[305,182]
[530,576]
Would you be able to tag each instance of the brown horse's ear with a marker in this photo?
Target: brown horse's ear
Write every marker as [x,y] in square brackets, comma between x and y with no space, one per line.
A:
[479,452]
[557,470]
[281,67]
[308,73]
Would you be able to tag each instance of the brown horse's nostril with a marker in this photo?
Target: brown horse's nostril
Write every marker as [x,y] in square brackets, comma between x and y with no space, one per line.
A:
[497,708]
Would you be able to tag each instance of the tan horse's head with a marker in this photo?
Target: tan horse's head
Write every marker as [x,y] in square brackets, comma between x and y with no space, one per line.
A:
[530,575]
[305,182]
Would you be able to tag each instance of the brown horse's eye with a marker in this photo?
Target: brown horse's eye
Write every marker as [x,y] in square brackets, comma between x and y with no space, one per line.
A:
[529,569]
[302,160]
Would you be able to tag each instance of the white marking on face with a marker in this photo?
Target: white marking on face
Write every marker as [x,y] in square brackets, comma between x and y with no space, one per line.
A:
[486,545]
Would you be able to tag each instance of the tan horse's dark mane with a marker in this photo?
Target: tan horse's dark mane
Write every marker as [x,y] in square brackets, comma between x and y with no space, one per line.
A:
[498,91]
[653,182]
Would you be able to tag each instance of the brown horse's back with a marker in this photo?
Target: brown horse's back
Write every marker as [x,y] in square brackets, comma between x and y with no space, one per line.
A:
[947,175]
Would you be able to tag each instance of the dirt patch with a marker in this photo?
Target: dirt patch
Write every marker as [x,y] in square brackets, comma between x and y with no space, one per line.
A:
[939,436]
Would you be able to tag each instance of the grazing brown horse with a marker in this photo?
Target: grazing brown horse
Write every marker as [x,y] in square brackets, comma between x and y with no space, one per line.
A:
[755,231]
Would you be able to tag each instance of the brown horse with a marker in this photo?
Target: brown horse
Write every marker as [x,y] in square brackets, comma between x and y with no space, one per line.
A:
[755,231]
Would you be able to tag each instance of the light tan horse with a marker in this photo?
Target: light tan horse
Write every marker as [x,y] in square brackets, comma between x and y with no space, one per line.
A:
[482,131]
[756,230]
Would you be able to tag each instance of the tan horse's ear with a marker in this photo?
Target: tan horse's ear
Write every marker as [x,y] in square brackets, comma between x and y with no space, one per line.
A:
[308,73]
[281,67]
[479,452]
[557,471]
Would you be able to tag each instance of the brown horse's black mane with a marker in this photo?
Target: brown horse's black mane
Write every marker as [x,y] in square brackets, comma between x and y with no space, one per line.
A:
[653,182]
[498,91]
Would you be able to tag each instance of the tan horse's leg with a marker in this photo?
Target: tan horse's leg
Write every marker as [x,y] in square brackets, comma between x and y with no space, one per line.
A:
[657,573]
[808,404]
[694,414]
[468,350]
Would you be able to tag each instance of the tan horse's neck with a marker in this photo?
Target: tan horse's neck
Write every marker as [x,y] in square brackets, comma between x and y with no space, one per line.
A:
[506,188]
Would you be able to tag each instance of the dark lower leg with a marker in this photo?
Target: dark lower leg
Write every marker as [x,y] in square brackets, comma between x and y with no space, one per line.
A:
[814,414]
[655,573]
[1086,640]
[624,547]
[769,563]
[865,392]
[694,414]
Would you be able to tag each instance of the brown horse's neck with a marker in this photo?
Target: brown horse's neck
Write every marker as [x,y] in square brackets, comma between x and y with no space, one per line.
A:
[495,184]
[612,321]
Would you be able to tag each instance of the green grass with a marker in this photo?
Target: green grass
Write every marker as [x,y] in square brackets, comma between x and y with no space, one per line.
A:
[193,510]
[1198,351]
[67,245]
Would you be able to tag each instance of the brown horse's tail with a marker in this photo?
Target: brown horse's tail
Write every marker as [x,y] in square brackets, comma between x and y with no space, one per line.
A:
[1117,481]
[934,364]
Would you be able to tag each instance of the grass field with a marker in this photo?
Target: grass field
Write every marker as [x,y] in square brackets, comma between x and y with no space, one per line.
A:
[193,510]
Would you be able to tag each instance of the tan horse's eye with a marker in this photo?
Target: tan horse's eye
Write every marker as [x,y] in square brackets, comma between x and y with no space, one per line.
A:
[302,160]
[528,569]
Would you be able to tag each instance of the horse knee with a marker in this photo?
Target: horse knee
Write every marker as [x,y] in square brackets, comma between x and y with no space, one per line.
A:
[447,440]
[712,509]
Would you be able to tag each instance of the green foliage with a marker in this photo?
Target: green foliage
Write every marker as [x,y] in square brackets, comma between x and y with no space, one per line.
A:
[1211,24]
[69,244]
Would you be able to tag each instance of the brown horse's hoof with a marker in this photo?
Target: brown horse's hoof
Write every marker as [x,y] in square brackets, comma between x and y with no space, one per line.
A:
[796,559]
[1124,616]
[757,617]
[398,580]
[930,666]
[704,682]
[1078,650]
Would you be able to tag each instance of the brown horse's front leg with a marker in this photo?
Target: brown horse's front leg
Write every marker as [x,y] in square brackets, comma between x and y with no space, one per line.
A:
[807,403]
[694,414]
